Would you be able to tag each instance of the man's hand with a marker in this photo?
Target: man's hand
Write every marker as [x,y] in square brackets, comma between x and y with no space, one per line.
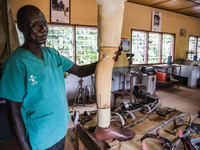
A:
[17,124]
[118,53]
[83,71]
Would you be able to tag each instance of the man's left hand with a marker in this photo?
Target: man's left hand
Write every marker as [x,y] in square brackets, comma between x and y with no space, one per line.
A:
[118,53]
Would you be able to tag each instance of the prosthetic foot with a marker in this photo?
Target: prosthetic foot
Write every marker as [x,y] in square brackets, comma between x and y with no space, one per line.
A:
[113,133]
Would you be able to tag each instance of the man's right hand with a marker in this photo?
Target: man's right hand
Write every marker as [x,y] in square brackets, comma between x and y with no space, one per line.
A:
[17,124]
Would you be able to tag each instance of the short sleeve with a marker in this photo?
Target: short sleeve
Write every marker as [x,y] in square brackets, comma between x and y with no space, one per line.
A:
[12,82]
[66,63]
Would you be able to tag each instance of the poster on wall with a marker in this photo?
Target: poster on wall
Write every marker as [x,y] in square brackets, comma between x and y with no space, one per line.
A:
[126,45]
[60,11]
[156,21]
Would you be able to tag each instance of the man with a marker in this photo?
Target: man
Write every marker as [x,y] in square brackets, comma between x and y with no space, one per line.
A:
[33,85]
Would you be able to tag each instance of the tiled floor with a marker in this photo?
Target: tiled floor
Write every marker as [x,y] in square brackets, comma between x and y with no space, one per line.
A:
[183,99]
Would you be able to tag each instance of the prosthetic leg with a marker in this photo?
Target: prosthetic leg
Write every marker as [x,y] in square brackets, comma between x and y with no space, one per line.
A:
[110,18]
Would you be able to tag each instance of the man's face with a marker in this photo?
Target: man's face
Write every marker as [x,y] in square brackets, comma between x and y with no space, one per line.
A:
[35,28]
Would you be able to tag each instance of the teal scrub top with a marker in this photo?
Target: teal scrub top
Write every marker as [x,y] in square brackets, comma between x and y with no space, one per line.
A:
[39,85]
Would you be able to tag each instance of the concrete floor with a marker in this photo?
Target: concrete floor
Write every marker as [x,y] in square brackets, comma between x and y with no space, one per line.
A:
[183,99]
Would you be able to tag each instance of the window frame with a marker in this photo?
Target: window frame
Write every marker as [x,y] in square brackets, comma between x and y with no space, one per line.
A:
[161,44]
[196,48]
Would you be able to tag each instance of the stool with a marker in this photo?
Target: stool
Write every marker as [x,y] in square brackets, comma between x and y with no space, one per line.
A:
[131,75]
[115,94]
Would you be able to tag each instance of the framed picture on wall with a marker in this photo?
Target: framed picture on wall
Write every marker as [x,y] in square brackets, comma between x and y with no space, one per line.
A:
[183,32]
[60,11]
[156,21]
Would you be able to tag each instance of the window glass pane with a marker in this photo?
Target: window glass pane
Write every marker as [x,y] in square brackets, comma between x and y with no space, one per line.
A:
[154,48]
[167,47]
[192,47]
[61,38]
[198,48]
[20,36]
[86,45]
[139,47]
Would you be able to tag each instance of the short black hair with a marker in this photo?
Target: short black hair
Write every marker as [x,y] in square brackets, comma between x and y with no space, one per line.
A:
[23,12]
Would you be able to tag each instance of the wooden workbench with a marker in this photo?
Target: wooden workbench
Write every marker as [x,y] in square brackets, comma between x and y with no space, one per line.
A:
[85,137]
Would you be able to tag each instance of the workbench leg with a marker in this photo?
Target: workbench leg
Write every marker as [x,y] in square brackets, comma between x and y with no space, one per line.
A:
[124,82]
[79,144]
[115,99]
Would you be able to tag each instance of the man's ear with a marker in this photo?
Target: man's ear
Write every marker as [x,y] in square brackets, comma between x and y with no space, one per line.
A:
[20,27]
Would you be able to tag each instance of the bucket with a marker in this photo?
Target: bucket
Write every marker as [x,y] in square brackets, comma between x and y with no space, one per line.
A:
[161,76]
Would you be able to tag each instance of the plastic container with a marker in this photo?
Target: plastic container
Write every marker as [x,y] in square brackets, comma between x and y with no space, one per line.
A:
[169,60]
[161,76]
[195,58]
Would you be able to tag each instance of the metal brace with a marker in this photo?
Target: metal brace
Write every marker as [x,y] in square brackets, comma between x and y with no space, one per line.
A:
[119,117]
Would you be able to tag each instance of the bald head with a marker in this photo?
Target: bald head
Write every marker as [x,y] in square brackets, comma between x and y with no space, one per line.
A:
[26,12]
[33,25]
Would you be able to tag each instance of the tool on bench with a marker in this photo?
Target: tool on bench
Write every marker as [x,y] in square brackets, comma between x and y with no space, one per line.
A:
[194,126]
[76,118]
[115,115]
[141,120]
[196,143]
[155,134]
[186,142]
[128,106]
[179,123]
[141,96]
[163,110]
[182,135]
[148,70]
[130,114]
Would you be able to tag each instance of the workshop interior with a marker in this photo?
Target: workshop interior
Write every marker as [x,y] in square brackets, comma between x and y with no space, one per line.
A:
[152,84]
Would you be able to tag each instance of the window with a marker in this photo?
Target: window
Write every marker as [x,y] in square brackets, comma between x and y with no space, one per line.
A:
[154,48]
[167,46]
[151,47]
[194,47]
[139,45]
[198,48]
[86,45]
[61,38]
[77,43]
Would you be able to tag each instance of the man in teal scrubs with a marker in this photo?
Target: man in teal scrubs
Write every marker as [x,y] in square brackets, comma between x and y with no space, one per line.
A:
[33,85]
